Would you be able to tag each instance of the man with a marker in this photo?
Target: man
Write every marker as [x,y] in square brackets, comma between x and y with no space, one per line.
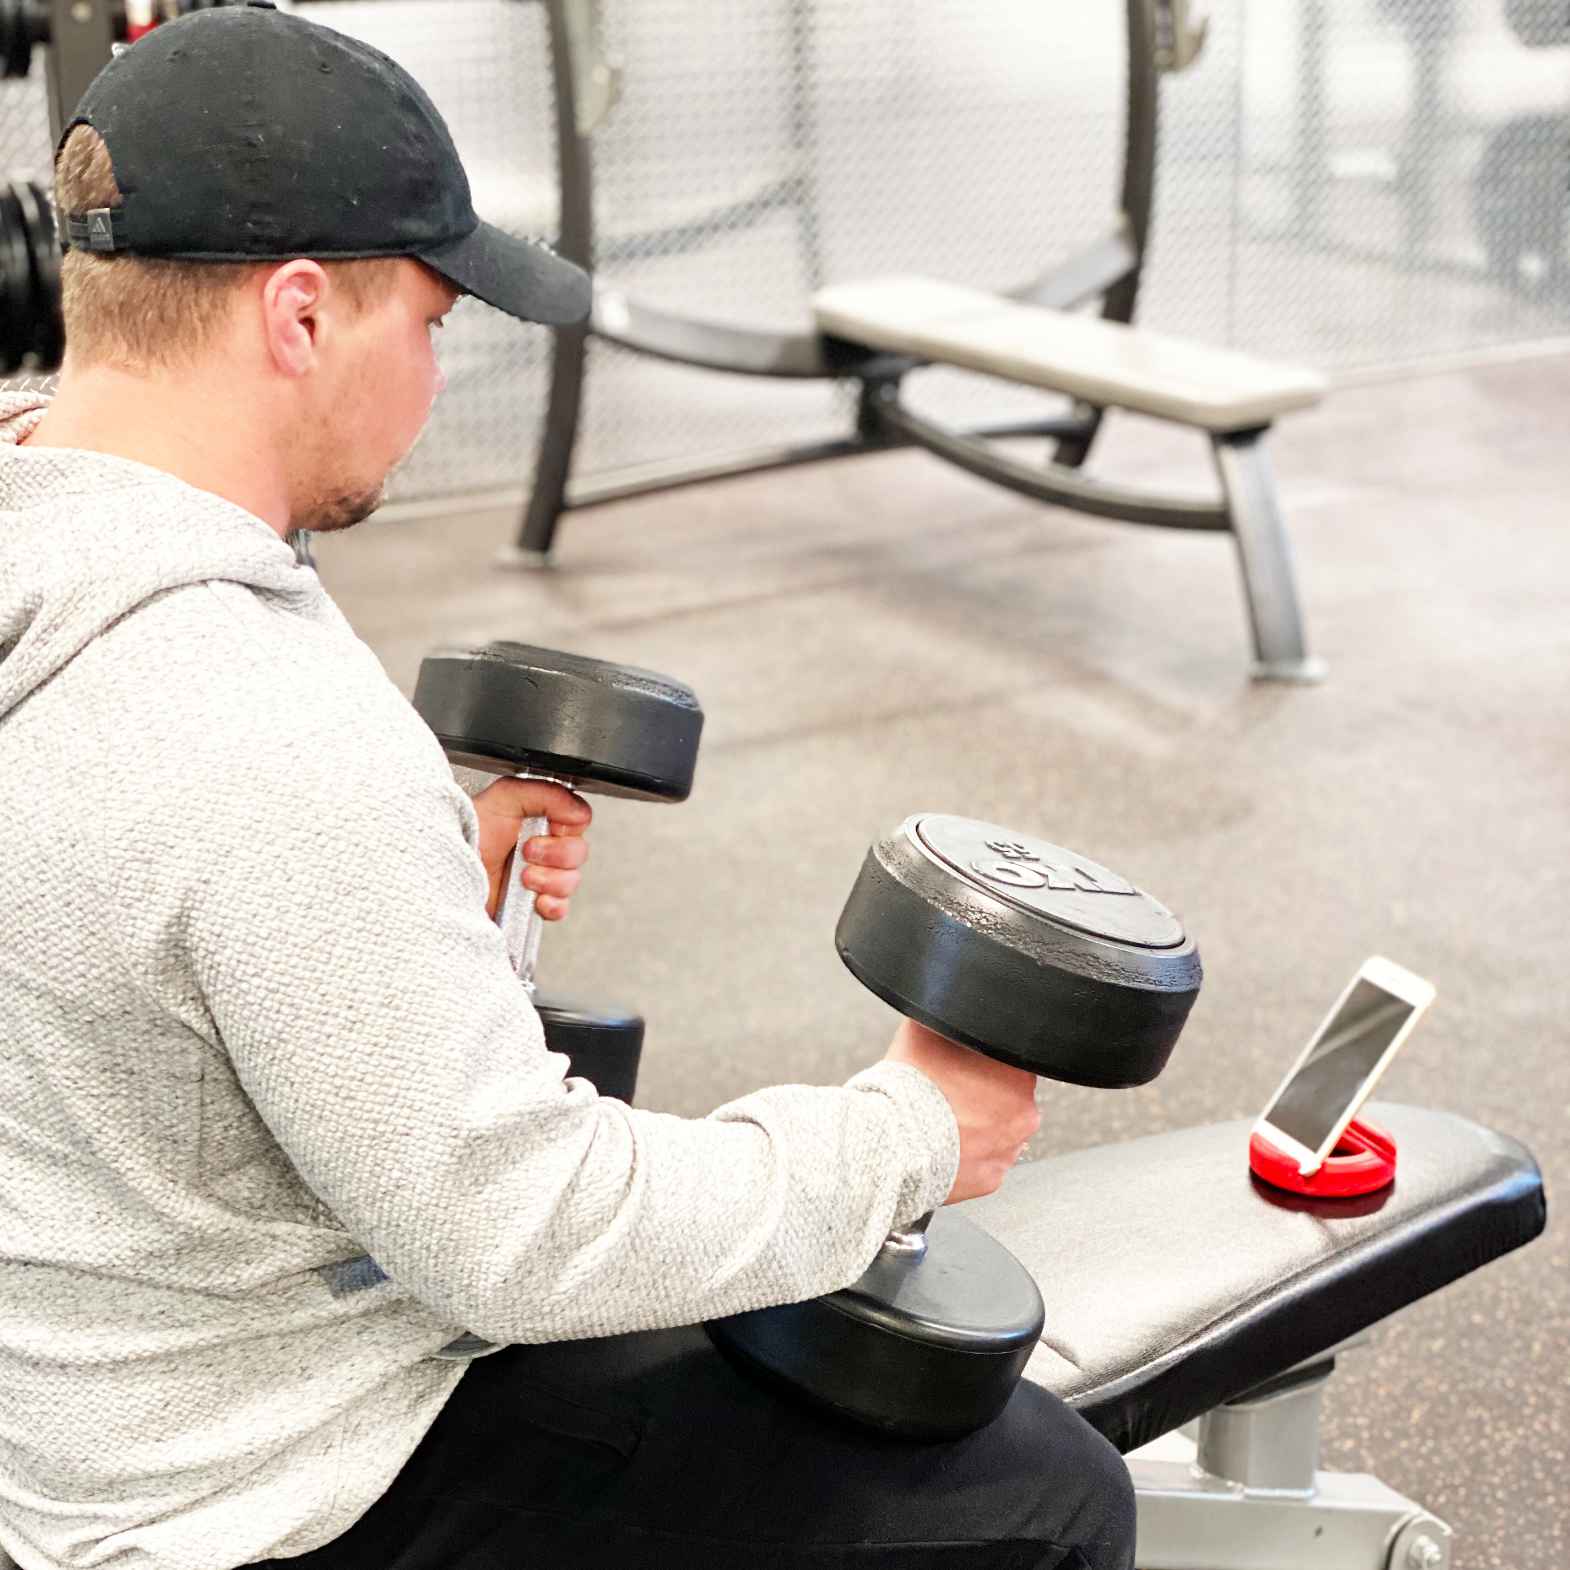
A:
[278,1132]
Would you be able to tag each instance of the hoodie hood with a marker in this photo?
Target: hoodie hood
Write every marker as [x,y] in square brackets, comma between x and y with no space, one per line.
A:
[86,538]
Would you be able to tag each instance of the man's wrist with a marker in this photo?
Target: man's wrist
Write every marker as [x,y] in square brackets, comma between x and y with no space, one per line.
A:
[930,1134]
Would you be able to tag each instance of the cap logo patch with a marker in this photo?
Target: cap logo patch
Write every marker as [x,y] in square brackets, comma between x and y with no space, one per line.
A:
[100,230]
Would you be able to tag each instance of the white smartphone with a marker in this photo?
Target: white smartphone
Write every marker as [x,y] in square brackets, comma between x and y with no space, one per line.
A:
[1343,1061]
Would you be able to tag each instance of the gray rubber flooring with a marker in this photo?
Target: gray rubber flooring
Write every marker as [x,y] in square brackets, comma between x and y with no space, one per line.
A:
[881,636]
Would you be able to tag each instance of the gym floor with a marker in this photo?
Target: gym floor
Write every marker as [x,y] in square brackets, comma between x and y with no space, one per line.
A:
[880,636]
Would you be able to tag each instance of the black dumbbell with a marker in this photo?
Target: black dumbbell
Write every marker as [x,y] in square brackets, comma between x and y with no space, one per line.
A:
[598,727]
[1036,956]
[31,332]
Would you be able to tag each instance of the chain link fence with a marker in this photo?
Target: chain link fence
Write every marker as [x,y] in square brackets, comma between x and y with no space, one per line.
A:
[1360,185]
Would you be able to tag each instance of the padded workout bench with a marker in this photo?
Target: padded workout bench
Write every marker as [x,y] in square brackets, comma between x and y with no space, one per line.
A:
[1233,398]
[1179,1287]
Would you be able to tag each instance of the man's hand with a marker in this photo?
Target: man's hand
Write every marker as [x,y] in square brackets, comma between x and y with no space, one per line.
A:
[993,1103]
[552,860]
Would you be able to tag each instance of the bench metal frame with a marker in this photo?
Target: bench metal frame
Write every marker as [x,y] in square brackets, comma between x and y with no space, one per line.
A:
[1107,271]
[1162,35]
[1241,1489]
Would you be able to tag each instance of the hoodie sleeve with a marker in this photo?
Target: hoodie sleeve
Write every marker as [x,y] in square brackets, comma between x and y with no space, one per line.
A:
[318,901]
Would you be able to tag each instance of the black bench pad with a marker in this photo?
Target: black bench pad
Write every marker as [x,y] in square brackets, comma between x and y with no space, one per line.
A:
[1174,1280]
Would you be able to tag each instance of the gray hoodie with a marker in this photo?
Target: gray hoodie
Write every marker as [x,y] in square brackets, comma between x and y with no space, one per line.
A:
[258,1031]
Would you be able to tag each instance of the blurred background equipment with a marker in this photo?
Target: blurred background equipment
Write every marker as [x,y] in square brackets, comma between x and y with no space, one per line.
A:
[1521,203]
[1325,177]
[869,338]
[24,23]
[31,333]
[1101,272]
[1539,24]
[79,35]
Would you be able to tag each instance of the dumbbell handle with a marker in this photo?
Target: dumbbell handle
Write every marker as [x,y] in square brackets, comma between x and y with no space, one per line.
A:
[516,913]
[911,1239]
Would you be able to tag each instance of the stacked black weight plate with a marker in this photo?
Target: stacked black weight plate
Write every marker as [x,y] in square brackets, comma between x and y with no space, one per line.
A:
[45,341]
[605,1044]
[612,729]
[923,1346]
[21,23]
[30,327]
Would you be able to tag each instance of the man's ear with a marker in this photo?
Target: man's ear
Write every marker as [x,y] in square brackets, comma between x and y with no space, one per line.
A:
[292,298]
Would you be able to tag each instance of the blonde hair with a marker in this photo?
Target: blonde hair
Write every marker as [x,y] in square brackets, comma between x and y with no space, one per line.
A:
[150,312]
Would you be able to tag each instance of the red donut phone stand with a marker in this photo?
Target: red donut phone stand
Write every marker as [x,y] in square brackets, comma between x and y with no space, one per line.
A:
[1363,1161]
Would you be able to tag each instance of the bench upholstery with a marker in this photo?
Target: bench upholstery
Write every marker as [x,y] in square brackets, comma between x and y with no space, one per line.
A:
[1108,364]
[1175,1280]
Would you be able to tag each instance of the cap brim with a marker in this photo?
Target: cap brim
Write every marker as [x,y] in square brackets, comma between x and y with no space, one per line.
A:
[521,277]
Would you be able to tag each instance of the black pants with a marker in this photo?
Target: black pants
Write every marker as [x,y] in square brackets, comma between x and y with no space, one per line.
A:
[651,1452]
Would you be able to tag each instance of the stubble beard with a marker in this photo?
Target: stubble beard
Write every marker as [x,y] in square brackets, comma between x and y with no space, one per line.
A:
[330,508]
[339,510]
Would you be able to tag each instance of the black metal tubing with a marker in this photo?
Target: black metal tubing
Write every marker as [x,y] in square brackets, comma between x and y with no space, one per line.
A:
[661,242]
[82,34]
[1054,483]
[714,346]
[1087,276]
[570,345]
[747,351]
[1140,146]
[803,127]
[679,475]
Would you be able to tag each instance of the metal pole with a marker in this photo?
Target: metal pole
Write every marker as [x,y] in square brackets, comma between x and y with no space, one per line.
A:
[81,43]
[569,350]
[1138,195]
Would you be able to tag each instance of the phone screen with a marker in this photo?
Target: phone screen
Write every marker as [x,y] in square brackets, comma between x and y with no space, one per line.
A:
[1346,1052]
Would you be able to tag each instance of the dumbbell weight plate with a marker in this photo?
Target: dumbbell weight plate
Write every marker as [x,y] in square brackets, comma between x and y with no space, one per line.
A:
[16,277]
[613,729]
[38,229]
[926,1346]
[1024,950]
[16,38]
[604,1044]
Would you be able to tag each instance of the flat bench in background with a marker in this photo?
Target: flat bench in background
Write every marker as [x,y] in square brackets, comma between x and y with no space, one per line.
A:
[1233,398]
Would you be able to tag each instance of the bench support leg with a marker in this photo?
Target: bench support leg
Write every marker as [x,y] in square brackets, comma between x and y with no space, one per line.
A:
[558,436]
[1265,555]
[1248,1496]
[1351,1521]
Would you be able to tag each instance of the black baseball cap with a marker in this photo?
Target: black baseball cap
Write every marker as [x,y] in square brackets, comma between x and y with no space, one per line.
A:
[246,134]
